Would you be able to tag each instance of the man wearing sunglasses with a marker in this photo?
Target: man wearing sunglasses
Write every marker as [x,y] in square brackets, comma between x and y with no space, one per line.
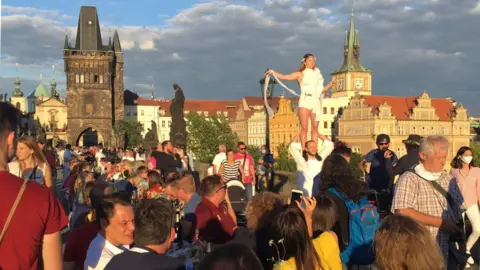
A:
[378,178]
[248,169]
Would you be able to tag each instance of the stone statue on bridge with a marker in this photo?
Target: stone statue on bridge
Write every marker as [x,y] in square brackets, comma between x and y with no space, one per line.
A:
[178,129]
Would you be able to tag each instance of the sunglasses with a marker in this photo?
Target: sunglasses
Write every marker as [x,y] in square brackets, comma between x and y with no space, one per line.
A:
[383,144]
[243,148]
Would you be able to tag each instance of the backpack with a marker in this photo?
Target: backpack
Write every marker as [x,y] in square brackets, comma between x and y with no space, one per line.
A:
[363,223]
[152,163]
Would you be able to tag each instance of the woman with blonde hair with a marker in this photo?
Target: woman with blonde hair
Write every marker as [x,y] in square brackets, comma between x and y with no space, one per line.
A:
[401,243]
[30,162]
[311,82]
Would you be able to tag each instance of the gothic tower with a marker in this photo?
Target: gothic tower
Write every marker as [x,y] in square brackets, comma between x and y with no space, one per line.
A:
[18,99]
[94,82]
[352,77]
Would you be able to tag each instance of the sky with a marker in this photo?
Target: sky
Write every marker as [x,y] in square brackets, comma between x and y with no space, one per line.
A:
[220,49]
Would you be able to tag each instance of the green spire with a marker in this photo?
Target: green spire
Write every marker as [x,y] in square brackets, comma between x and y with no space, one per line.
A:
[53,84]
[351,49]
[17,92]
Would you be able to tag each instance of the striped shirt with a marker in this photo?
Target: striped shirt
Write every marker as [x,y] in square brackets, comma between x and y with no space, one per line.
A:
[230,171]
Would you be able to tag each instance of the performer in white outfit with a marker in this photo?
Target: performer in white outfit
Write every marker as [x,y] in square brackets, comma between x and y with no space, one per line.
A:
[310,163]
[311,82]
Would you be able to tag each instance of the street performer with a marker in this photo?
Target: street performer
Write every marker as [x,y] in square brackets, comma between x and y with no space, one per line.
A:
[311,82]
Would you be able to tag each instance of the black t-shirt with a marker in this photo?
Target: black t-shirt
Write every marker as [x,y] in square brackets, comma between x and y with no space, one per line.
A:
[166,163]
[404,164]
[145,259]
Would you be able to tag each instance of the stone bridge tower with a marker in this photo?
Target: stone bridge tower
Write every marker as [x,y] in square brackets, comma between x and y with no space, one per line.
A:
[94,74]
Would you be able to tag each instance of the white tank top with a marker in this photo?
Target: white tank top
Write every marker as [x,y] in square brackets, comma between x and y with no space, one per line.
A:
[312,82]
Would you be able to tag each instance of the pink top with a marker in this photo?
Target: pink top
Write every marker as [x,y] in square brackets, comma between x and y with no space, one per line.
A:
[469,185]
[246,166]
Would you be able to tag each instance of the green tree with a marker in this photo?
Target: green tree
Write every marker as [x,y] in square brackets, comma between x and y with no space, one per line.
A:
[255,152]
[206,134]
[354,160]
[132,130]
[476,152]
[283,162]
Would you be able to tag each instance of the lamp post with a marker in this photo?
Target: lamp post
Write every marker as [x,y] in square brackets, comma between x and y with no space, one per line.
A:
[270,88]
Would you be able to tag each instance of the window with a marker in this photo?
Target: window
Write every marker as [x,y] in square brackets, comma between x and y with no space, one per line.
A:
[89,104]
[95,78]
[324,110]
[101,78]
[163,123]
[142,113]
[77,78]
[82,78]
[332,110]
[17,105]
[169,123]
[325,124]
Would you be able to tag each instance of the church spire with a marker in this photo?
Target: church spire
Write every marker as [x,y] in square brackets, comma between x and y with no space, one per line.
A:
[351,49]
[53,84]
[17,92]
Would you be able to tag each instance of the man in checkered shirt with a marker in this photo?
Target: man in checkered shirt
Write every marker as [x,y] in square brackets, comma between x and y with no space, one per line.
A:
[416,197]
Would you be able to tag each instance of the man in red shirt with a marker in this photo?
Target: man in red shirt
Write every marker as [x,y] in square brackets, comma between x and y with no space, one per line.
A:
[34,229]
[248,168]
[215,221]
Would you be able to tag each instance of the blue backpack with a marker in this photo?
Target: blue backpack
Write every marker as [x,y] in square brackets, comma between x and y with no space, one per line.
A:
[363,223]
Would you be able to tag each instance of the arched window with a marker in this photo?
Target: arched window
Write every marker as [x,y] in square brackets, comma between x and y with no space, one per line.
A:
[17,105]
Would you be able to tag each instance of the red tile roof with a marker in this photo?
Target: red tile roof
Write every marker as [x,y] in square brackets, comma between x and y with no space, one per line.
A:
[210,106]
[259,101]
[402,107]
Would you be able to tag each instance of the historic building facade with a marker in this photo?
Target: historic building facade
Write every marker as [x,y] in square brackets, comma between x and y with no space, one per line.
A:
[155,113]
[284,125]
[366,116]
[94,82]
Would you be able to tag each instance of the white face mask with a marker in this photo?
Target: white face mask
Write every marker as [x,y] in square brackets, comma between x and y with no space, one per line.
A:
[264,152]
[430,176]
[466,159]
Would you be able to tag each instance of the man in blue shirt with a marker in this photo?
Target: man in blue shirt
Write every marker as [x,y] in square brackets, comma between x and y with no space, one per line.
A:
[184,190]
[379,178]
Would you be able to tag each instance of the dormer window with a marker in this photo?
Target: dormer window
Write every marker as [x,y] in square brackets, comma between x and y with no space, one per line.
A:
[205,113]
[162,112]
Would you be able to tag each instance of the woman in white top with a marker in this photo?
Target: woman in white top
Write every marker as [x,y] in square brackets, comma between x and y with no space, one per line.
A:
[31,163]
[311,81]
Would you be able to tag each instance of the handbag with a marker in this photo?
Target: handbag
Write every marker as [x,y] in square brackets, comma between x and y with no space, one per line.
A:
[13,209]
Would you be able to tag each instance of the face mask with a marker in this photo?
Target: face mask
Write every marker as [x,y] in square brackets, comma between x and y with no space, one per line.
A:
[430,176]
[264,152]
[466,159]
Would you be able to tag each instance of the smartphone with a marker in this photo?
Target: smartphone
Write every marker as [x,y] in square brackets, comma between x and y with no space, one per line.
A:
[296,194]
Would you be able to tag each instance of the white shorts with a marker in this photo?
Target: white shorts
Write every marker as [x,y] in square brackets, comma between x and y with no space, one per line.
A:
[311,103]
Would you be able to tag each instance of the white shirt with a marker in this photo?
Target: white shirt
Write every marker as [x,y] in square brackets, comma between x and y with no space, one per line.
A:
[217,161]
[128,158]
[307,170]
[100,252]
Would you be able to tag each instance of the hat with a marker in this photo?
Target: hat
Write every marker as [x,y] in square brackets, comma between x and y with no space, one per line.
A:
[413,139]
[383,138]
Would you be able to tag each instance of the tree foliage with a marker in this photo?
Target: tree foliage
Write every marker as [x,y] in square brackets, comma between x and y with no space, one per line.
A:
[255,152]
[354,160]
[206,134]
[476,152]
[283,162]
[132,130]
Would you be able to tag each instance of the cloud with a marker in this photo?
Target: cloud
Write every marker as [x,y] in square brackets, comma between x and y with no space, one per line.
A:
[220,49]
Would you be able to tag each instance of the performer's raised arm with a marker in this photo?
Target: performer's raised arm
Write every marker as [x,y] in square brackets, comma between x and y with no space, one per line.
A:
[297,75]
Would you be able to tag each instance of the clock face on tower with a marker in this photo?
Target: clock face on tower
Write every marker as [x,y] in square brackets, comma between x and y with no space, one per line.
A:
[358,84]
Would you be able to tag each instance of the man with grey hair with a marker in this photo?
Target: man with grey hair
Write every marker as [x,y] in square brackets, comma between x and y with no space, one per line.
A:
[430,195]
[219,158]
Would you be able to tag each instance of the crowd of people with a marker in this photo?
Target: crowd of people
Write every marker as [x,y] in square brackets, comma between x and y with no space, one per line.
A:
[107,208]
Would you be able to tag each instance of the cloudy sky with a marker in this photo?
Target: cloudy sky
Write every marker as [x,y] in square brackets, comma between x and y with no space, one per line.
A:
[220,49]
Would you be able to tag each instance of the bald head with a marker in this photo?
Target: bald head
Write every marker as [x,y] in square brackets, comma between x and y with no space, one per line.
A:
[222,148]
